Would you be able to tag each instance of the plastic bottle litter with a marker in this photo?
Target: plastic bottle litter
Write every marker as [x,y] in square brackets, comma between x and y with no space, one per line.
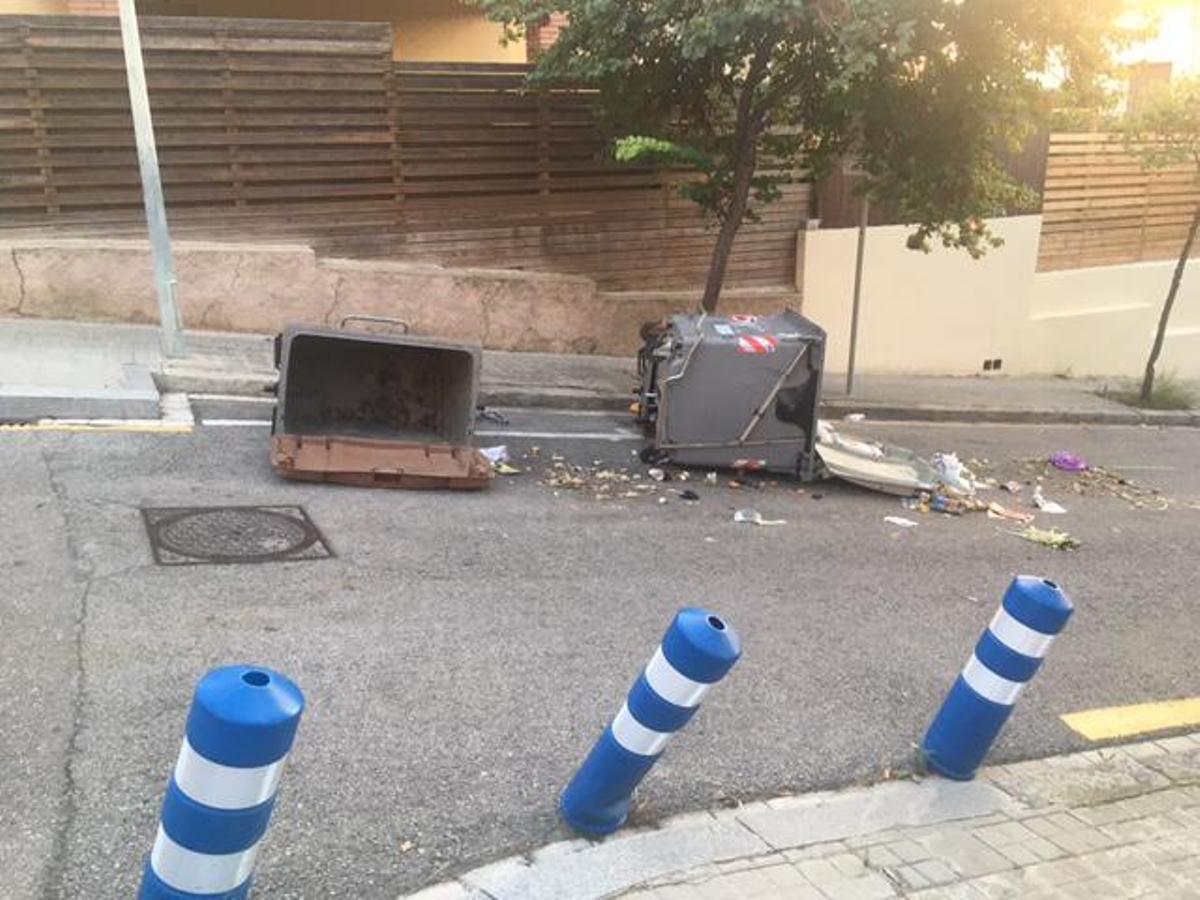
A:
[754,517]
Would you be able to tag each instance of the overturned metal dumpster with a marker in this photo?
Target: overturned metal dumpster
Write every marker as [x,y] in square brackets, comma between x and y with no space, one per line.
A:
[734,391]
[376,409]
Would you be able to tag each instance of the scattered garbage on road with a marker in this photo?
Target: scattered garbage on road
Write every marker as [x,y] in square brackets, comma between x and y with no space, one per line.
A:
[996,511]
[496,454]
[901,521]
[1047,537]
[485,414]
[873,465]
[754,517]
[1047,506]
[1097,481]
[953,474]
[1068,462]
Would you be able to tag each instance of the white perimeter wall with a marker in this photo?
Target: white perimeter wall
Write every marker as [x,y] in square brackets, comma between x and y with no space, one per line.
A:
[945,313]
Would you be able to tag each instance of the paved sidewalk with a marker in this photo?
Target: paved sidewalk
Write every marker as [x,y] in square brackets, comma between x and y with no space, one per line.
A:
[1122,822]
[242,364]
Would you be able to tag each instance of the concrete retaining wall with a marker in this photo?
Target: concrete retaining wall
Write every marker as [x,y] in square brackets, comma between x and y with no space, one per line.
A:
[259,288]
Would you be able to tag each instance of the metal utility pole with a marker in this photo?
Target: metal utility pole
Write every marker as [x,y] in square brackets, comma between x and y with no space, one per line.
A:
[863,215]
[152,195]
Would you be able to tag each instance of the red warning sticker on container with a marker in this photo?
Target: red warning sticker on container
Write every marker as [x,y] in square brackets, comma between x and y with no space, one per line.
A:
[743,319]
[749,465]
[757,343]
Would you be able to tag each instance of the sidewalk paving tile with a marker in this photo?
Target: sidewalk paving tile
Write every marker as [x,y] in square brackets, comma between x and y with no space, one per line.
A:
[1145,846]
[1078,780]
[835,884]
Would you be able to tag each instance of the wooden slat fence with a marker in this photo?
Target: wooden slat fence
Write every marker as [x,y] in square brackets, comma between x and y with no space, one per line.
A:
[271,128]
[307,130]
[495,174]
[1102,208]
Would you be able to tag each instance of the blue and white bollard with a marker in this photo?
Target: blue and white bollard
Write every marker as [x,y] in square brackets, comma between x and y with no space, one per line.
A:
[696,652]
[220,796]
[1010,651]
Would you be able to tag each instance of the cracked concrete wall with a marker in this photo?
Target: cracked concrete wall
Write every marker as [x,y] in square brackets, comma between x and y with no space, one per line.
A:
[12,284]
[259,288]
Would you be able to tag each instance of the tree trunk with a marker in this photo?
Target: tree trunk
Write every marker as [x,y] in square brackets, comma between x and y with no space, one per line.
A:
[742,174]
[747,126]
[1165,317]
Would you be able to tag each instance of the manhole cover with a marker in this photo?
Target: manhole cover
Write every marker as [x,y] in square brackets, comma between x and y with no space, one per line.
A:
[189,535]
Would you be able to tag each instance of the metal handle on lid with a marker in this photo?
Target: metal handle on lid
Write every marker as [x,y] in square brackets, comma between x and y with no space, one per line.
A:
[381,320]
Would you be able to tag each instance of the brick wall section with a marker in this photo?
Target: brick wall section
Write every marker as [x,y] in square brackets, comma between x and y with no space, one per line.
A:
[539,38]
[92,7]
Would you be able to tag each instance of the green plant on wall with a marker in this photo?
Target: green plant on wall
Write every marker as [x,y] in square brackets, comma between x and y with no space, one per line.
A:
[927,95]
[1167,133]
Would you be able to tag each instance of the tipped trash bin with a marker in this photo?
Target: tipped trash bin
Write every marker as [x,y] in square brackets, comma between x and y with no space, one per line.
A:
[376,409]
[738,391]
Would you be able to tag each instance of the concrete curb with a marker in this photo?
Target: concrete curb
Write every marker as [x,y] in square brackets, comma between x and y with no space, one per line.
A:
[200,380]
[924,412]
[590,870]
[135,398]
[205,381]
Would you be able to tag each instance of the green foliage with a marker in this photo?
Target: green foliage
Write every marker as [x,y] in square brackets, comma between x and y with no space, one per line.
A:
[656,151]
[1167,131]
[928,95]
[1169,393]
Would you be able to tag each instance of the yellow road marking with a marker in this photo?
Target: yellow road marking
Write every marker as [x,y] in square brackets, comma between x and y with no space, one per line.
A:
[1140,718]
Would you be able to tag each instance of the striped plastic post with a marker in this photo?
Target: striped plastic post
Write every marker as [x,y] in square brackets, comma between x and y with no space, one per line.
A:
[1010,651]
[696,652]
[221,794]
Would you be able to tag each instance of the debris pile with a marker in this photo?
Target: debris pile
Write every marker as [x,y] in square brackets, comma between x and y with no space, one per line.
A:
[945,484]
[1092,481]
[606,482]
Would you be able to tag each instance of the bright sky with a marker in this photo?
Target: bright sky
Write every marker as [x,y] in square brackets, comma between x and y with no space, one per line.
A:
[1178,39]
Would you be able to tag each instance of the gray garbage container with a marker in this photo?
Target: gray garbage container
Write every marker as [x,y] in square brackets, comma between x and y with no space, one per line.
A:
[734,391]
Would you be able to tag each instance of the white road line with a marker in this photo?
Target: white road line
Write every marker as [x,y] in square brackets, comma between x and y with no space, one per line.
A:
[614,436]
[621,434]
[232,398]
[555,411]
[936,423]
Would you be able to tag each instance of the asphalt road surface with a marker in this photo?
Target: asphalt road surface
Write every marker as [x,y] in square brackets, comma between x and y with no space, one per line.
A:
[463,650]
